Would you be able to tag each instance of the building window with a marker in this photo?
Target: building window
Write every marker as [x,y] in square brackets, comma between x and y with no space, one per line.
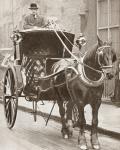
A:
[108,22]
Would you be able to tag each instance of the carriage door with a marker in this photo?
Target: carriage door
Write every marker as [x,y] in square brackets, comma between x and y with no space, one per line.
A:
[108,24]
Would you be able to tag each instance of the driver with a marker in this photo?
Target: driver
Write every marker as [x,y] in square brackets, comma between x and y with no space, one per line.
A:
[33,19]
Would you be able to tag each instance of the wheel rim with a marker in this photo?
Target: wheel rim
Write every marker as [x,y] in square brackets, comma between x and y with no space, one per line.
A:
[10,98]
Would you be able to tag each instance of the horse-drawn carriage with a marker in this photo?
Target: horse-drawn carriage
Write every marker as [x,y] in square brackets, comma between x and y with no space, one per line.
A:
[30,75]
[44,70]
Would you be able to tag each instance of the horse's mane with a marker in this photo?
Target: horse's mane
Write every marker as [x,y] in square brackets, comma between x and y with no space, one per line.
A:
[91,53]
[91,61]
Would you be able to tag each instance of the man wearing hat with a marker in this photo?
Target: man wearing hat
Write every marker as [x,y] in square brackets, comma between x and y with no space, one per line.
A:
[33,20]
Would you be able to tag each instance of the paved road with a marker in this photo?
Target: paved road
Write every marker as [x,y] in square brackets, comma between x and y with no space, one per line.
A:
[28,135]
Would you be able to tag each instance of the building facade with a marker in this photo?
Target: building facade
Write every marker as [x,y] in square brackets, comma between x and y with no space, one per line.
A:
[108,22]
[108,28]
[75,16]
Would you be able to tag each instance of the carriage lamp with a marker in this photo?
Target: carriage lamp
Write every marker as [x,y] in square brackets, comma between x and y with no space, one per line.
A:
[81,40]
[16,37]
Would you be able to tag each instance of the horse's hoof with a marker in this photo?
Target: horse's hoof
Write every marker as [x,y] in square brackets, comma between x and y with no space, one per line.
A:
[82,142]
[83,147]
[94,142]
[65,136]
[96,147]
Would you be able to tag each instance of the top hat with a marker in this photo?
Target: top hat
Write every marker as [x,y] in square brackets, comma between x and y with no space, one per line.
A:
[33,6]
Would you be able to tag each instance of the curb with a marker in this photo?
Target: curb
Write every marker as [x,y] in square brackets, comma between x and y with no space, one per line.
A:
[112,134]
[115,103]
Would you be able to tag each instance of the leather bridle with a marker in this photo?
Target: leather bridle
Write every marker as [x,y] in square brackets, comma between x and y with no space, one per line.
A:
[99,53]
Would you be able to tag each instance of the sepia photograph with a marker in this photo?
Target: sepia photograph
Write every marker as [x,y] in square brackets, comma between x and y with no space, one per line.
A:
[60,74]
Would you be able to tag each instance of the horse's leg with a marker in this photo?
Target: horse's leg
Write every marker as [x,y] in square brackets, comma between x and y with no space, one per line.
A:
[64,130]
[70,105]
[94,137]
[79,97]
[82,122]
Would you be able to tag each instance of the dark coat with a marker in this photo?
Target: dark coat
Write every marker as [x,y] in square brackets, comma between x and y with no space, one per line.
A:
[31,21]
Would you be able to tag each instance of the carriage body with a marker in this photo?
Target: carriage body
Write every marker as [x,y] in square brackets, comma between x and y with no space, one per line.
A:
[43,48]
[33,46]
[43,43]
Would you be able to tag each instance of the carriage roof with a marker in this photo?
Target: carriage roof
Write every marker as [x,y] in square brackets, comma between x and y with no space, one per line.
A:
[45,42]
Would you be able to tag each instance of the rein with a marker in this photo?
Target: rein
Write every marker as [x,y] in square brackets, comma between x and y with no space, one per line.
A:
[83,77]
[66,48]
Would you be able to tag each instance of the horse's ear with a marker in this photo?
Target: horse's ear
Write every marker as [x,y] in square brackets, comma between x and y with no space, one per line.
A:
[100,42]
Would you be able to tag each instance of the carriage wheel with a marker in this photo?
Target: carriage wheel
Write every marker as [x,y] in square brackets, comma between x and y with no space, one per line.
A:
[10,97]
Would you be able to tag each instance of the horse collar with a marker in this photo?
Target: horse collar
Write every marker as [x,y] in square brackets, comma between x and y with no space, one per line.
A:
[85,79]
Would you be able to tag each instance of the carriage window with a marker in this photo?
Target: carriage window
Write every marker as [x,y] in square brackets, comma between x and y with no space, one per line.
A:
[108,21]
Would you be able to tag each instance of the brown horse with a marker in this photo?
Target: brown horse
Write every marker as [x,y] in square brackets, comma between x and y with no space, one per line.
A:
[84,85]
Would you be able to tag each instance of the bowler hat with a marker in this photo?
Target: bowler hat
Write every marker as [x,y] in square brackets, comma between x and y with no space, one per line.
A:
[33,6]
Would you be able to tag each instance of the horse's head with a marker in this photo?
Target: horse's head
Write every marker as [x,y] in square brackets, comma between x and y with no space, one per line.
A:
[106,57]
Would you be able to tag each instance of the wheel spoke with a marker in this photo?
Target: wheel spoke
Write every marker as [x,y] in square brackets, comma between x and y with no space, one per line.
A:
[8,112]
[10,97]
[10,108]
[7,104]
[7,86]
[11,82]
[7,115]
[9,78]
[13,102]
